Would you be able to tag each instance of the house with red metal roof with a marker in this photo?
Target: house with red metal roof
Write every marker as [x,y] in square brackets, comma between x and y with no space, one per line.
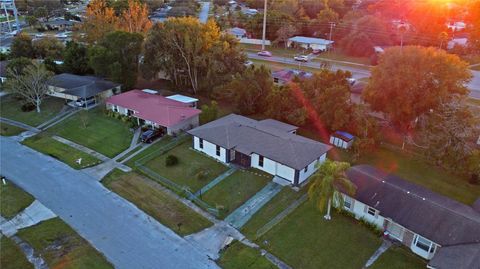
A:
[155,110]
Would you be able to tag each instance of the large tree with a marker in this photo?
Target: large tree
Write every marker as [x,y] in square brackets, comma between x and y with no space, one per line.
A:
[284,104]
[75,59]
[411,81]
[327,183]
[135,18]
[22,47]
[48,47]
[31,84]
[100,20]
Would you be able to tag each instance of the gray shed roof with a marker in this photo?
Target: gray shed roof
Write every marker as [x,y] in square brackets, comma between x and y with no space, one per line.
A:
[250,136]
[459,257]
[433,216]
[81,86]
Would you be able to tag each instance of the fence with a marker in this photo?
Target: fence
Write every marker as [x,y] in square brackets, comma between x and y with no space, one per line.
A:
[267,227]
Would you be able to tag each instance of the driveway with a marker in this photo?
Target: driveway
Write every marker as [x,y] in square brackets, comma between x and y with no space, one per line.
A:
[127,236]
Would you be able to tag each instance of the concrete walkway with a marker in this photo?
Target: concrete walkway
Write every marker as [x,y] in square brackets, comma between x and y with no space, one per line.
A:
[20,125]
[241,215]
[66,112]
[385,245]
[33,214]
[72,144]
[133,144]
[214,182]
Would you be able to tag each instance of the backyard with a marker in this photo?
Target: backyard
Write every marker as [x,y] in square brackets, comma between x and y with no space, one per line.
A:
[11,256]
[60,151]
[97,131]
[193,168]
[239,256]
[9,130]
[150,197]
[10,108]
[61,247]
[13,200]
[235,190]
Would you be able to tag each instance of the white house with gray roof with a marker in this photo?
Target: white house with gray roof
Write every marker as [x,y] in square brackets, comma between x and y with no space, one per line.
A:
[268,145]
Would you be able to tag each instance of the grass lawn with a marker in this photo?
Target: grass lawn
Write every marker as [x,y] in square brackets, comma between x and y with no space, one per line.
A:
[61,246]
[150,197]
[10,108]
[153,148]
[13,200]
[304,239]
[60,151]
[399,258]
[190,164]
[235,190]
[239,256]
[11,257]
[9,130]
[104,134]
[280,202]
[420,172]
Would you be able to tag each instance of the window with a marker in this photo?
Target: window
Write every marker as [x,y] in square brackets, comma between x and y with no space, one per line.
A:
[371,211]
[425,244]
[200,142]
[260,161]
[218,151]
[347,202]
[275,80]
[306,169]
[115,108]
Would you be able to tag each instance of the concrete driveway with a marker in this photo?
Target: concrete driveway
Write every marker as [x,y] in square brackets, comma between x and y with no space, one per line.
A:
[127,236]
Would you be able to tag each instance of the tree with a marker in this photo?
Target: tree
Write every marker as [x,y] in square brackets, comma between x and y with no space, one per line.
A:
[31,20]
[75,59]
[284,33]
[321,25]
[443,37]
[327,182]
[31,84]
[40,13]
[254,24]
[48,47]
[282,104]
[135,18]
[289,7]
[100,20]
[474,19]
[17,65]
[209,112]
[22,46]
[116,56]
[409,82]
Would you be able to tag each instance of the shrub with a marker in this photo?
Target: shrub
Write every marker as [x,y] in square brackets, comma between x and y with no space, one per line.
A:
[372,227]
[201,175]
[27,107]
[171,160]
[124,118]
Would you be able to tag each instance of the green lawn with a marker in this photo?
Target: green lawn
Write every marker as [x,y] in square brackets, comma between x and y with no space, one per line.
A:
[239,256]
[304,239]
[11,256]
[190,164]
[60,151]
[104,134]
[399,258]
[62,247]
[150,197]
[420,172]
[13,200]
[279,203]
[235,190]
[9,130]
[153,148]
[10,107]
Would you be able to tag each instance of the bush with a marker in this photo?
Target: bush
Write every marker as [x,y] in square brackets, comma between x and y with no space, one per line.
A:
[171,160]
[201,175]
[27,107]
[372,227]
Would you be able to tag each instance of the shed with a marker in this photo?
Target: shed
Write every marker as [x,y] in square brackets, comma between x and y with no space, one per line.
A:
[318,44]
[342,139]
[192,102]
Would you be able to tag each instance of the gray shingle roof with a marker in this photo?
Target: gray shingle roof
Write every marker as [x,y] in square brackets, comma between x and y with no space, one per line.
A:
[250,136]
[278,125]
[81,86]
[459,257]
[435,217]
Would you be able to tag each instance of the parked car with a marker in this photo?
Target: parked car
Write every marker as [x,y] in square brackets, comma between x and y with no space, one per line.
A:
[84,103]
[248,63]
[301,58]
[149,135]
[264,53]
[39,35]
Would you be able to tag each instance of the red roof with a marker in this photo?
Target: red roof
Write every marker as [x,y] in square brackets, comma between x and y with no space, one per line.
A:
[152,107]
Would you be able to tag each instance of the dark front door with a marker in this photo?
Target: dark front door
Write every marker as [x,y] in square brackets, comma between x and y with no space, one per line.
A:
[242,159]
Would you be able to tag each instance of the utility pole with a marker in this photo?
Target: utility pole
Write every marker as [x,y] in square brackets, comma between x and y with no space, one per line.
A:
[264,25]
[332,24]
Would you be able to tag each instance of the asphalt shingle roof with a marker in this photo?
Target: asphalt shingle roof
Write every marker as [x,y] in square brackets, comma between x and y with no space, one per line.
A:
[459,257]
[81,86]
[250,136]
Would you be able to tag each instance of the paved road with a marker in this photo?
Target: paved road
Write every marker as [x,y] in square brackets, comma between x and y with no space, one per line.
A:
[128,237]
[203,14]
[357,73]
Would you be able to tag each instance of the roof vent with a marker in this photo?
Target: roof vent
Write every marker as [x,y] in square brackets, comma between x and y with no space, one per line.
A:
[408,192]
[423,198]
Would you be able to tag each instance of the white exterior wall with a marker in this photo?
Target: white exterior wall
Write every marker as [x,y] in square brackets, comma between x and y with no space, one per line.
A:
[360,211]
[273,168]
[312,167]
[187,124]
[210,149]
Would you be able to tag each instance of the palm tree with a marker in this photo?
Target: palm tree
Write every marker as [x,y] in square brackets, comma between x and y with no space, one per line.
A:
[330,178]
[443,36]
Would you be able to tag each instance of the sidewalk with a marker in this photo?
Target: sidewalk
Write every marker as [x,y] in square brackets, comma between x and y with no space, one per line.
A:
[20,125]
[33,214]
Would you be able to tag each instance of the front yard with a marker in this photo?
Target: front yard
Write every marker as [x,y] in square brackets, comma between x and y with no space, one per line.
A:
[235,190]
[96,131]
[60,151]
[193,168]
[10,108]
[9,130]
[13,200]
[61,247]
[239,256]
[11,256]
[150,197]
[399,258]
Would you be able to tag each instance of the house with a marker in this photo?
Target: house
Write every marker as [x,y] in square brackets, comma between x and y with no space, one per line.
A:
[461,41]
[237,32]
[250,11]
[435,227]
[316,44]
[60,24]
[268,145]
[342,139]
[155,110]
[456,26]
[284,76]
[190,101]
[82,90]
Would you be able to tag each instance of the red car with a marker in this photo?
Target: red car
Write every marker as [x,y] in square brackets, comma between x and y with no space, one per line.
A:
[264,53]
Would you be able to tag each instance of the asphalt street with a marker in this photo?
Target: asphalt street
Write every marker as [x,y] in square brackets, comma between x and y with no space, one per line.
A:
[127,236]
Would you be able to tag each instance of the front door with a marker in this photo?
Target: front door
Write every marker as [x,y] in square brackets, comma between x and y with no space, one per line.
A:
[242,159]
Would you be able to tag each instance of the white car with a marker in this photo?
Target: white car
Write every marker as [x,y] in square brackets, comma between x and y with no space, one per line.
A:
[39,35]
[248,63]
[301,58]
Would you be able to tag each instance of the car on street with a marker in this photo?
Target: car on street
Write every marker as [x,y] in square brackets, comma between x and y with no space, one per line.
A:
[149,135]
[301,58]
[264,53]
[39,35]
[248,63]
